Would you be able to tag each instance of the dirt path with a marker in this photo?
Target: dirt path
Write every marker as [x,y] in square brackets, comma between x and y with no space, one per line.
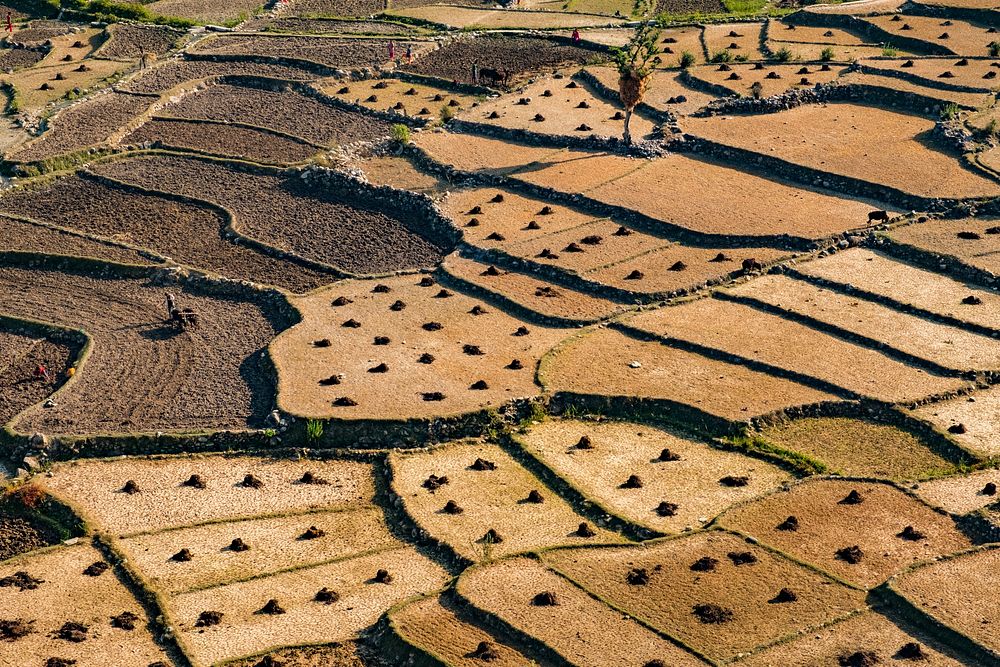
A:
[141,375]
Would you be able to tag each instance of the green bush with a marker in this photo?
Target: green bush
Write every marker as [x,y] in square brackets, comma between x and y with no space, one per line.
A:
[687,59]
[447,113]
[722,57]
[314,430]
[890,51]
[400,133]
[826,55]
[950,111]
[783,55]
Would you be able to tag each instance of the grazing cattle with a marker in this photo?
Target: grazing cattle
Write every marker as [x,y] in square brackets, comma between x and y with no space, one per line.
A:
[751,264]
[493,77]
[878,216]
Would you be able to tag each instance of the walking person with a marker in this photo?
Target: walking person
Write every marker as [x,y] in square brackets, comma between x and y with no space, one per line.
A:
[171,303]
[41,373]
[576,36]
[475,73]
[392,51]
[10,24]
[409,54]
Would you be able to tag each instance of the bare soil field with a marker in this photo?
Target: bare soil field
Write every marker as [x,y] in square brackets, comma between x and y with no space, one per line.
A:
[493,19]
[206,11]
[590,246]
[337,7]
[88,123]
[488,500]
[809,51]
[274,545]
[398,172]
[941,237]
[690,7]
[960,37]
[506,589]
[245,629]
[22,530]
[663,87]
[411,351]
[142,375]
[740,78]
[973,421]
[532,293]
[437,625]
[859,448]
[759,336]
[862,8]
[967,100]
[334,52]
[335,654]
[94,488]
[953,71]
[15,59]
[189,234]
[328,226]
[742,579]
[866,143]
[557,106]
[222,139]
[945,345]
[23,236]
[884,276]
[736,39]
[518,56]
[600,362]
[67,596]
[707,197]
[675,494]
[829,522]
[130,41]
[789,32]
[471,153]
[328,26]
[39,32]
[958,592]
[862,633]
[44,84]
[172,73]
[398,96]
[20,357]
[961,494]
[288,112]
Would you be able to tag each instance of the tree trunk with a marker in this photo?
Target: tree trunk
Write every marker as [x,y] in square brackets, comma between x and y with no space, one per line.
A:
[627,135]
[631,89]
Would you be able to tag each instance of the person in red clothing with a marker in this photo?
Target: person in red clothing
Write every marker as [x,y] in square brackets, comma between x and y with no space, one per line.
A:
[392,50]
[41,373]
[10,24]
[576,36]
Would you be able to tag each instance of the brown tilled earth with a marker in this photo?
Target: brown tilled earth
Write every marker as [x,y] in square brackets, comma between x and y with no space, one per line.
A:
[20,358]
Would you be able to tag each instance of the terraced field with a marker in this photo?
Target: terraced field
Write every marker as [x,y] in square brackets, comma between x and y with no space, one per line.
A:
[361,334]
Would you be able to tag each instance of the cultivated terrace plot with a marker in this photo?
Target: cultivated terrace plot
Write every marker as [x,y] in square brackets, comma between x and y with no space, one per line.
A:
[866,143]
[19,235]
[961,494]
[557,106]
[41,85]
[142,374]
[759,336]
[521,592]
[973,421]
[533,294]
[735,39]
[437,626]
[288,112]
[978,73]
[397,96]
[329,26]
[282,210]
[15,59]
[330,51]
[67,603]
[187,233]
[978,246]
[467,152]
[862,532]
[488,505]
[964,99]
[666,92]
[464,17]
[88,123]
[809,51]
[251,623]
[336,7]
[172,73]
[223,139]
[129,41]
[517,56]
[856,447]
[265,546]
[958,592]
[789,32]
[398,172]
[605,362]
[20,356]
[168,497]
[714,591]
[206,11]
[397,348]
[706,197]
[959,37]
[885,277]
[773,79]
[650,476]
[866,634]
[674,42]
[948,346]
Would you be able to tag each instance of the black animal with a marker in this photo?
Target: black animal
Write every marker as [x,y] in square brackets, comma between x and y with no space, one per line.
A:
[493,77]
[878,216]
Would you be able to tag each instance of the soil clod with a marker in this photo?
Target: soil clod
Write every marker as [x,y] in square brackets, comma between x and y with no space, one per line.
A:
[433,483]
[13,629]
[252,482]
[483,464]
[451,507]
[742,558]
[712,614]
[345,402]
[534,497]
[911,651]
[195,481]
[207,619]
[858,659]
[911,534]
[131,487]
[705,564]
[584,443]
[637,576]
[790,524]
[479,385]
[96,569]
[545,599]
[852,498]
[486,652]
[492,537]
[72,631]
[667,455]
[784,595]
[272,607]
[22,580]
[584,530]
[383,577]
[990,489]
[312,533]
[851,555]
[239,545]
[734,480]
[126,620]
[633,482]
[182,556]
[666,509]
[326,596]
